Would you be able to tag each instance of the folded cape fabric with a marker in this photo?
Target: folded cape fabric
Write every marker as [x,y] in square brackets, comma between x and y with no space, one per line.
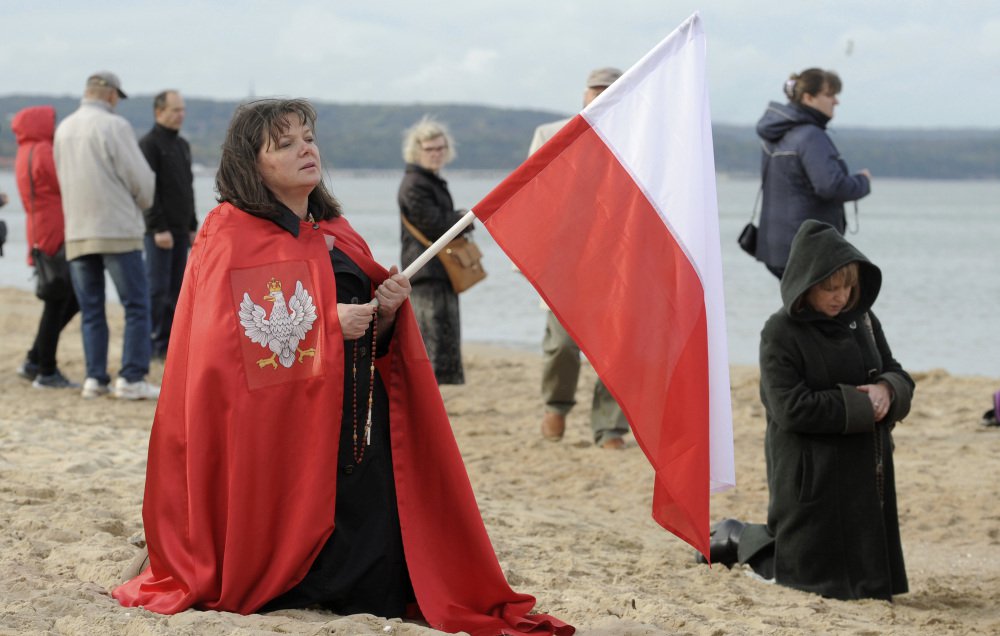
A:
[241,478]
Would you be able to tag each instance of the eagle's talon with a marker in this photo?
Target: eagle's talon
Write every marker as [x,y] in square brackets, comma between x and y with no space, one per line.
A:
[268,361]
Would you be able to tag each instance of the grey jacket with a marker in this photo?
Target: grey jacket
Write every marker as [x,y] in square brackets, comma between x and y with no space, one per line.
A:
[105,180]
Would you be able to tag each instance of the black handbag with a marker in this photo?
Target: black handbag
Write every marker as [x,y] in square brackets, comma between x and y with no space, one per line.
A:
[52,280]
[748,238]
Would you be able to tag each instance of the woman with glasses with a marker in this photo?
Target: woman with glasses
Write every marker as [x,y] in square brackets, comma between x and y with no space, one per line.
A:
[426,206]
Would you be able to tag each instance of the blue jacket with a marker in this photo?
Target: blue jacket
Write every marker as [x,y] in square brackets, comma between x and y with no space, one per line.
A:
[804,178]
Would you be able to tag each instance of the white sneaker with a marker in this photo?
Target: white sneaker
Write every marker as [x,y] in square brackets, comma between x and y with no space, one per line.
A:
[138,390]
[92,388]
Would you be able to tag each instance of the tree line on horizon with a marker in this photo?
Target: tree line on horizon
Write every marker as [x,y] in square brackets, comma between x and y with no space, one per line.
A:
[369,137]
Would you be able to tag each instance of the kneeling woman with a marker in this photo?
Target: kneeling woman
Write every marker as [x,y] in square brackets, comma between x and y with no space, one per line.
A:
[832,392]
[300,454]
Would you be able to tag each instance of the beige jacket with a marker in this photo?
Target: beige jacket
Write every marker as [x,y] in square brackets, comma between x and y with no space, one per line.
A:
[105,181]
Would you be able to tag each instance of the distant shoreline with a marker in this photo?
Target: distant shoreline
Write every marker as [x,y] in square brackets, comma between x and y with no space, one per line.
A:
[368,136]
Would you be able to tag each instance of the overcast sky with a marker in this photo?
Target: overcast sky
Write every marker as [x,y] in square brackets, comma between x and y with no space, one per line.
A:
[903,64]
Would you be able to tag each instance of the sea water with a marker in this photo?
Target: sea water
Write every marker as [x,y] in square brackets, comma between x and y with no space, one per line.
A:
[937,243]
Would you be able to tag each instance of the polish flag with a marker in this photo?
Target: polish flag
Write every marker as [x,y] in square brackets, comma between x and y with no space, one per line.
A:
[615,223]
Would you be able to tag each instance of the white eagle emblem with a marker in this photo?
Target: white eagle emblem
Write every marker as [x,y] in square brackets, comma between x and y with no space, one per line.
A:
[285,328]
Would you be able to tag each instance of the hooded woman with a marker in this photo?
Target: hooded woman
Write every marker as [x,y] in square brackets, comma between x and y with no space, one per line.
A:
[34,127]
[803,174]
[832,392]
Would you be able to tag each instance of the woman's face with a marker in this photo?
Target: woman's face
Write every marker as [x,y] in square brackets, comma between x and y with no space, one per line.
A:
[829,298]
[290,167]
[823,101]
[433,152]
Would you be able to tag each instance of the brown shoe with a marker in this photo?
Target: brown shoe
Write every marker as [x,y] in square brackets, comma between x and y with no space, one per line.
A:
[553,426]
[613,443]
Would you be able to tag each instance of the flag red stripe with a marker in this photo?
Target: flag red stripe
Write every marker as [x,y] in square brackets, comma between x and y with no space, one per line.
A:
[571,217]
[539,161]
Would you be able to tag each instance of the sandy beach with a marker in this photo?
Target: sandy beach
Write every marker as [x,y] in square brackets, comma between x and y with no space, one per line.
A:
[570,523]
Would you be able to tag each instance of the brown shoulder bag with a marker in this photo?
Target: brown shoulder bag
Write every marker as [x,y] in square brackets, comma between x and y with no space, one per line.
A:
[461,258]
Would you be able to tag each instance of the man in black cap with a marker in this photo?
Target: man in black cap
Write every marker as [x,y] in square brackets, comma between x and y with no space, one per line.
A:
[106,184]
[561,369]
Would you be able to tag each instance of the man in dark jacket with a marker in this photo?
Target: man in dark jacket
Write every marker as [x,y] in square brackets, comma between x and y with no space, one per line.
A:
[171,222]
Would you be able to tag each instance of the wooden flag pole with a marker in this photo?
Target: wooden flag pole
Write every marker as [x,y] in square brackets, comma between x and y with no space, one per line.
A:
[437,246]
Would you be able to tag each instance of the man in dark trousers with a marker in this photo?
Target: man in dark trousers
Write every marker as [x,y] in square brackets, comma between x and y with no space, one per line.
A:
[171,222]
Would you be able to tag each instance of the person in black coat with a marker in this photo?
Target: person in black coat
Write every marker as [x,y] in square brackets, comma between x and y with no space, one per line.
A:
[171,221]
[426,205]
[803,174]
[832,392]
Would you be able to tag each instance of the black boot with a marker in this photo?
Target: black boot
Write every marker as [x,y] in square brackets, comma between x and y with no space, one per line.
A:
[724,543]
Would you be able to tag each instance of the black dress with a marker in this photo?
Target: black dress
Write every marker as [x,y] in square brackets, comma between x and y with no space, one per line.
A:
[361,569]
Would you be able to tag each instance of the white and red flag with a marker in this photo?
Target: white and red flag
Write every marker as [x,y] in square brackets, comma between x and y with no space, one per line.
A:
[615,223]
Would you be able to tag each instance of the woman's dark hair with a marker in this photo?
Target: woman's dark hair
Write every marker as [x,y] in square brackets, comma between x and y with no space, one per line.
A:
[811,82]
[238,180]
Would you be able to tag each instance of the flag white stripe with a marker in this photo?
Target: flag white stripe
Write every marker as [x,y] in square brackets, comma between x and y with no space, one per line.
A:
[655,120]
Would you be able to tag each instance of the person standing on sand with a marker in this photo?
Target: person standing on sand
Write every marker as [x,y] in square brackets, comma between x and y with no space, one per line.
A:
[803,174]
[106,184]
[425,204]
[34,127]
[561,355]
[171,221]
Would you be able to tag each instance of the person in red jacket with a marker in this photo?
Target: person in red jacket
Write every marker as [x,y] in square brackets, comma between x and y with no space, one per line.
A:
[34,128]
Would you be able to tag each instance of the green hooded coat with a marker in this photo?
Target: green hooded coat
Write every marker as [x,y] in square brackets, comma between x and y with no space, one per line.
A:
[832,507]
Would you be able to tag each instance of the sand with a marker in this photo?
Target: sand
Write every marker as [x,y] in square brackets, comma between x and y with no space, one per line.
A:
[570,523]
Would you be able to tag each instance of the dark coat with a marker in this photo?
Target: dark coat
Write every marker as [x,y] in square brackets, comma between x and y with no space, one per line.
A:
[831,516]
[426,203]
[169,155]
[804,177]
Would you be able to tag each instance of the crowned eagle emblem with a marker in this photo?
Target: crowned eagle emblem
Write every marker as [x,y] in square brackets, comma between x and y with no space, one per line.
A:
[284,328]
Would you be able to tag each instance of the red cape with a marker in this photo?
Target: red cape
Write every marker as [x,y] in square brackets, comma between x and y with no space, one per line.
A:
[241,478]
